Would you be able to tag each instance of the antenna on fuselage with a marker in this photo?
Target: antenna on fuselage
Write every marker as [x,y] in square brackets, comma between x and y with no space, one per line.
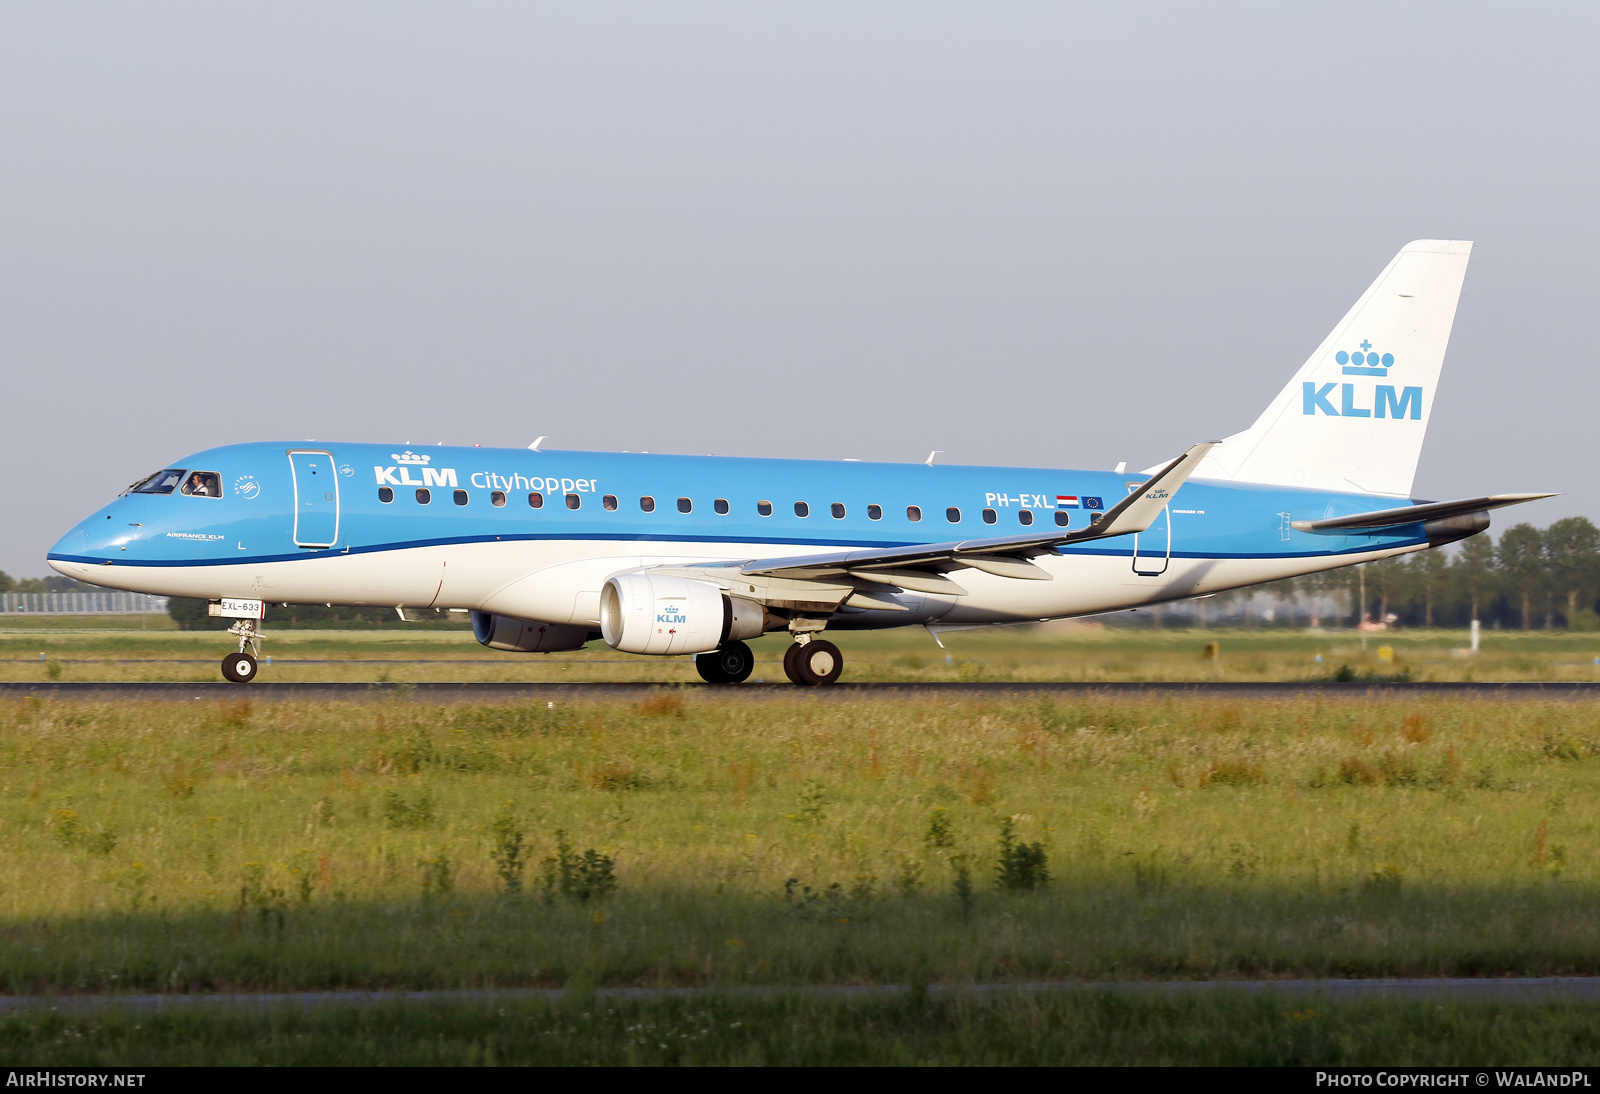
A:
[534,447]
[931,455]
[1121,467]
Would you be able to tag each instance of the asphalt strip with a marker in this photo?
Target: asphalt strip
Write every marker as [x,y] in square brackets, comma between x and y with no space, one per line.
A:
[1580,691]
[1580,989]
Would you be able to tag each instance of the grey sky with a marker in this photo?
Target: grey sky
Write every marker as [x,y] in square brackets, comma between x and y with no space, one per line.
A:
[1034,234]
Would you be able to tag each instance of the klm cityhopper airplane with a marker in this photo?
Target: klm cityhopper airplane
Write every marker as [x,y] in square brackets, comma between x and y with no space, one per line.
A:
[695,554]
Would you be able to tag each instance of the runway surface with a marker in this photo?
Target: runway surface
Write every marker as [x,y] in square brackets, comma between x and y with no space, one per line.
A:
[517,692]
[1582,989]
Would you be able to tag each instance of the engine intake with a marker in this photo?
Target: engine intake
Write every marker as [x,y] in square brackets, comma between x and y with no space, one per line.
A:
[659,614]
[503,632]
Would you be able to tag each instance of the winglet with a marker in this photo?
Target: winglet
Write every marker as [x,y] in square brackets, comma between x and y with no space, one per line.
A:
[1139,510]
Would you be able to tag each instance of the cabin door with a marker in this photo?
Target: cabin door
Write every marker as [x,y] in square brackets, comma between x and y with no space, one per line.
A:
[316,499]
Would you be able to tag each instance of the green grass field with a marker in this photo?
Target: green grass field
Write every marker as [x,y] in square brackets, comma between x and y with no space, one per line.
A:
[285,845]
[1059,651]
[698,839]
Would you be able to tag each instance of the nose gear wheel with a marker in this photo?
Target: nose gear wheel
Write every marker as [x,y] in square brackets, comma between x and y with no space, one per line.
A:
[239,668]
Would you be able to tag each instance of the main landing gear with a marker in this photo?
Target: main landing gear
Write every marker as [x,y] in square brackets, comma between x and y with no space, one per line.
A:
[240,668]
[731,664]
[811,662]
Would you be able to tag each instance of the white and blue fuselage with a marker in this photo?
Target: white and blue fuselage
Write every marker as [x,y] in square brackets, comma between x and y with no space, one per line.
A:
[370,524]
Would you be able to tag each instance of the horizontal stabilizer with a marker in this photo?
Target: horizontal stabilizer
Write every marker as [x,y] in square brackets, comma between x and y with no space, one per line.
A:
[1413,514]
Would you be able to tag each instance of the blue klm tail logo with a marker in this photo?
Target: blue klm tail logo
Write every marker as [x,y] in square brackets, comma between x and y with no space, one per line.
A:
[1385,402]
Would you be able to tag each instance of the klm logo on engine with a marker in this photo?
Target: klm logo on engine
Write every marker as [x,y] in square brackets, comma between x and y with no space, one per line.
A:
[671,617]
[1382,402]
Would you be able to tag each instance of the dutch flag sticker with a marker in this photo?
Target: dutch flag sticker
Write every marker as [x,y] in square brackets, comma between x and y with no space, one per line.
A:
[1067,501]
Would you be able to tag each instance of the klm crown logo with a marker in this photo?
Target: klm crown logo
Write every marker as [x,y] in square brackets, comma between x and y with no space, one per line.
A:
[409,456]
[1359,400]
[1365,361]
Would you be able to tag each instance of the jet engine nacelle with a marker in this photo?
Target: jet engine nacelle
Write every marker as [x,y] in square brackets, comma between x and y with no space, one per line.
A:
[502,632]
[655,613]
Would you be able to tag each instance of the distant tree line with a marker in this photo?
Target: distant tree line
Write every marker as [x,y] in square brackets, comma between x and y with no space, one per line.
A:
[52,584]
[1529,578]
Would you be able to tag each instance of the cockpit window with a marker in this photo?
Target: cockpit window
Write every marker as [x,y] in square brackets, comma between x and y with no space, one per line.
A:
[162,482]
[202,484]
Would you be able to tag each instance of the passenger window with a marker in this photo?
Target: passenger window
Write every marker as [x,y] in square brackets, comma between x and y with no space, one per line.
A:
[1025,517]
[721,506]
[461,497]
[497,498]
[385,495]
[1063,517]
[202,484]
[685,505]
[424,496]
[535,500]
[764,508]
[573,501]
[647,504]
[609,502]
[953,515]
[837,508]
[162,482]
[913,513]
[801,509]
[874,512]
[989,516]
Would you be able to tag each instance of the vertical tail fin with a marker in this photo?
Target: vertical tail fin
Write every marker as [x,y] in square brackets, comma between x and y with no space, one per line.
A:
[1354,416]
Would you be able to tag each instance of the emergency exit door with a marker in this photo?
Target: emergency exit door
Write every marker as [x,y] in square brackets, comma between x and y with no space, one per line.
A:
[1152,548]
[316,499]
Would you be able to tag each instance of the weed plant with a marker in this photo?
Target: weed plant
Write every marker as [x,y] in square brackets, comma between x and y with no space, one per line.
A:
[701,839]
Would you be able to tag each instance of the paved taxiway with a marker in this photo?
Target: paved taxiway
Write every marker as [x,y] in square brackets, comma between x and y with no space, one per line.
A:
[1577,989]
[517,692]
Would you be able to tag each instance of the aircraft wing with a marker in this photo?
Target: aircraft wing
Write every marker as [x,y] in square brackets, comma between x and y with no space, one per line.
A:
[1004,556]
[1413,514]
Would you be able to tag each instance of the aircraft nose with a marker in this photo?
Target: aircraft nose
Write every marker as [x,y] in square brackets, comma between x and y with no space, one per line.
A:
[71,544]
[89,542]
[67,555]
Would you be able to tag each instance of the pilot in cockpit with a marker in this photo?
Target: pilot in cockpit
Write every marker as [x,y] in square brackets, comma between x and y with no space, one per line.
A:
[203,484]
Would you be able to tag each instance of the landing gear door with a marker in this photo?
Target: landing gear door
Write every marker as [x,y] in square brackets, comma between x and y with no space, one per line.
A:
[1152,548]
[316,498]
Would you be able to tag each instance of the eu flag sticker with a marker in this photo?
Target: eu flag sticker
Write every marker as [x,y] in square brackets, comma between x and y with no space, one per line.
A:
[1093,503]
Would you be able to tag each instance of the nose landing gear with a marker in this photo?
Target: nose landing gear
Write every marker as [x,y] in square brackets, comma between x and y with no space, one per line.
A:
[240,668]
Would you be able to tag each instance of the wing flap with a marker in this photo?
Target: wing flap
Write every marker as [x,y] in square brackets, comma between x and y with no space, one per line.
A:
[1006,566]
